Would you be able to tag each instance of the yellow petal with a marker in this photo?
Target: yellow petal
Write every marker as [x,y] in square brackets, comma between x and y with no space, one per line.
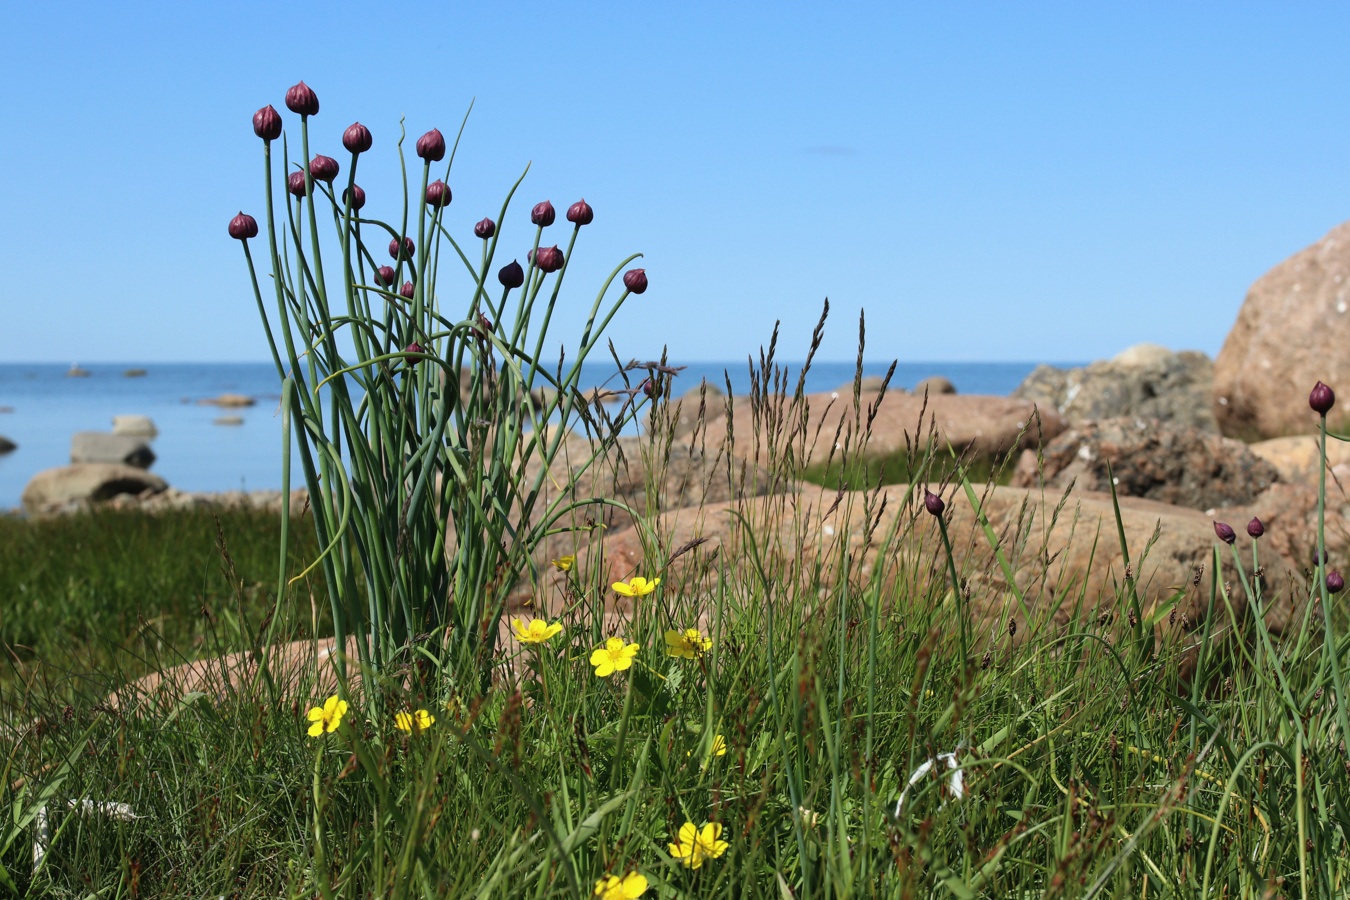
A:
[316,729]
[553,629]
[623,589]
[315,714]
[634,885]
[518,626]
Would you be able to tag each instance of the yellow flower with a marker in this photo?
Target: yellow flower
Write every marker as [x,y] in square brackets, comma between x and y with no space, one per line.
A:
[615,656]
[563,563]
[688,644]
[536,632]
[693,846]
[629,887]
[420,720]
[637,586]
[328,717]
[719,746]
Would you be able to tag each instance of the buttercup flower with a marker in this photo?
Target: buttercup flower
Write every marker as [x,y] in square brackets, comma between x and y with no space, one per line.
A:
[536,631]
[629,887]
[687,644]
[693,846]
[563,563]
[719,746]
[328,717]
[637,586]
[615,656]
[414,721]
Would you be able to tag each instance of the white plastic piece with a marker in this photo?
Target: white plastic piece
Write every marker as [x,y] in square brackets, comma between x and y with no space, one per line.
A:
[42,829]
[956,782]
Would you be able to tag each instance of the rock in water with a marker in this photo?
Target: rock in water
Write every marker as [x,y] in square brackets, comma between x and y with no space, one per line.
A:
[1146,380]
[934,385]
[6,445]
[97,447]
[53,489]
[227,401]
[134,373]
[1164,461]
[1291,332]
[135,426]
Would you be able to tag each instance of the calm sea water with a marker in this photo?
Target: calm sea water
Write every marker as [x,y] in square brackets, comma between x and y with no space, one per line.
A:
[43,408]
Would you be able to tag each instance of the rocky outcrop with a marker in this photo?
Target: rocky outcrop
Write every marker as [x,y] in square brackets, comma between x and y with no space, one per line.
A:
[1298,459]
[97,447]
[1162,461]
[1146,381]
[77,486]
[1290,333]
[934,385]
[135,426]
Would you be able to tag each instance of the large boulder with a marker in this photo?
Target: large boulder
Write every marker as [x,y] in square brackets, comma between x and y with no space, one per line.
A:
[97,447]
[135,426]
[1146,380]
[1298,459]
[982,427]
[1163,461]
[1290,333]
[52,490]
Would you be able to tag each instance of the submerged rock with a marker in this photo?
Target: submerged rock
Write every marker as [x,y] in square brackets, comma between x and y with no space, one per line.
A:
[135,426]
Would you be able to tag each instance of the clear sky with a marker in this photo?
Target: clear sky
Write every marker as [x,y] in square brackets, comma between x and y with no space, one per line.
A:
[1014,181]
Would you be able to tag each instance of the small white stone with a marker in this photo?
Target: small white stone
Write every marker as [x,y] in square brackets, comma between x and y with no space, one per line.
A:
[1223,401]
[829,530]
[1115,481]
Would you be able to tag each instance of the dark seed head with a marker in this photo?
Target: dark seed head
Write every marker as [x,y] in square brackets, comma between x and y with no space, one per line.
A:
[407,290]
[431,146]
[549,259]
[1255,528]
[1335,583]
[323,168]
[267,123]
[511,275]
[542,214]
[408,248]
[295,183]
[302,99]
[635,280]
[385,275]
[1225,532]
[438,194]
[1321,399]
[357,138]
[243,227]
[485,229]
[358,196]
[931,501]
[580,213]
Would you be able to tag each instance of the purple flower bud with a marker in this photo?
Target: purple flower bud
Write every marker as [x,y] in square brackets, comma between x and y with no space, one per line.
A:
[302,99]
[385,275]
[931,501]
[1335,583]
[548,259]
[414,347]
[635,280]
[323,168]
[431,146]
[1255,528]
[243,227]
[357,138]
[438,194]
[580,213]
[408,248]
[407,290]
[511,275]
[485,229]
[1322,399]
[267,123]
[1225,532]
[542,214]
[1319,558]
[295,183]
[358,196]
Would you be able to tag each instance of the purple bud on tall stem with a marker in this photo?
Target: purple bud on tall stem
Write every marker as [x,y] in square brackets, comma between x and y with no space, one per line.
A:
[1321,399]
[323,168]
[933,503]
[511,275]
[1225,532]
[408,248]
[385,275]
[1335,583]
[438,194]
[548,259]
[542,214]
[301,99]
[357,138]
[267,123]
[431,146]
[407,290]
[635,280]
[485,228]
[580,213]
[1255,528]
[358,196]
[295,183]
[243,227]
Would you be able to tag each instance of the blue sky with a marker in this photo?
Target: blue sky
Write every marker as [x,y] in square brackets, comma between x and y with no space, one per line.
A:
[1029,181]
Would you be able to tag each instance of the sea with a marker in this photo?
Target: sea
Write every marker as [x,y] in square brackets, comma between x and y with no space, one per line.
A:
[42,406]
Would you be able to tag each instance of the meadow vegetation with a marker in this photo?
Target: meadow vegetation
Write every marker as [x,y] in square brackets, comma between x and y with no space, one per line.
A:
[804,717]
